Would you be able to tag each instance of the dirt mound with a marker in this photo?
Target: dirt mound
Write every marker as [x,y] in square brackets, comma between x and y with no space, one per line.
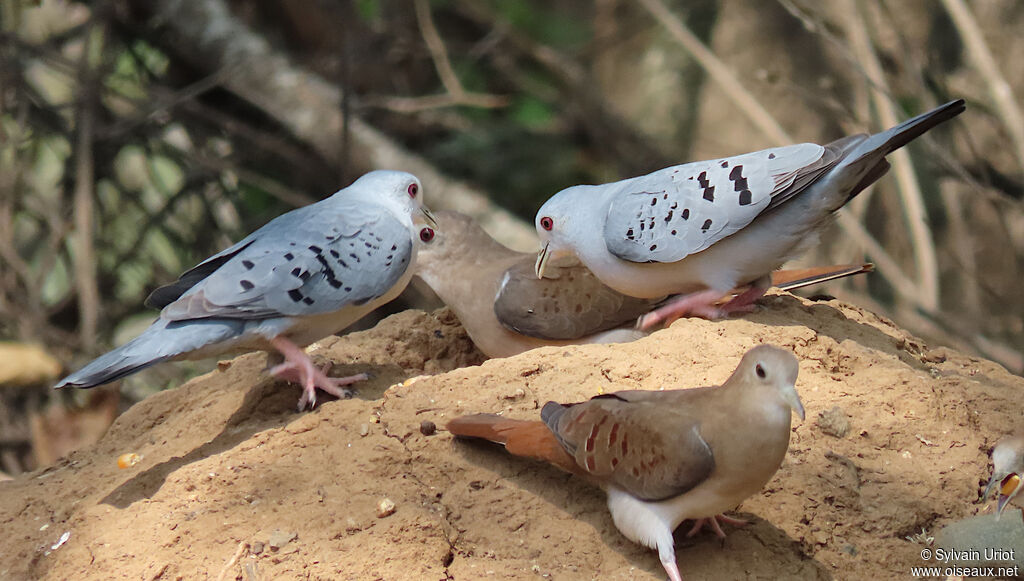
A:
[234,484]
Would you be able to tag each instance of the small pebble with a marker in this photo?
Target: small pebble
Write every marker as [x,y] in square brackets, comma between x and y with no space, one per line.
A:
[279,538]
[834,422]
[257,547]
[364,430]
[224,365]
[427,428]
[386,507]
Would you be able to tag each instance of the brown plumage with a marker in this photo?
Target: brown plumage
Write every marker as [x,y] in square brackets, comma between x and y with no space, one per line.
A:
[665,456]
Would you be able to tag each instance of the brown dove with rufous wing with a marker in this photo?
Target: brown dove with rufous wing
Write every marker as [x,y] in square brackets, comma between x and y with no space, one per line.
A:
[665,456]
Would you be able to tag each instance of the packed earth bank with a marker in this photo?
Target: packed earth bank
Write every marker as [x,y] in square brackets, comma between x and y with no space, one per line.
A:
[232,483]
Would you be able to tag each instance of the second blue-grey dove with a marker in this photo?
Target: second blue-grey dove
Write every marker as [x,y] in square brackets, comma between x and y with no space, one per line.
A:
[703,228]
[304,275]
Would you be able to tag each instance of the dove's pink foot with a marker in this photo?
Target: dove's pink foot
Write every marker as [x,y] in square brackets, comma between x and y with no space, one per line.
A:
[744,302]
[715,526]
[698,304]
[299,368]
[702,304]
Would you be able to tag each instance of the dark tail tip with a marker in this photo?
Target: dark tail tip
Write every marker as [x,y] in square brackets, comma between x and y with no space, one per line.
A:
[913,128]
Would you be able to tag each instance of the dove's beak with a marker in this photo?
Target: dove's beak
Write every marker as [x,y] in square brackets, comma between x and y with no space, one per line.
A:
[791,397]
[429,217]
[542,260]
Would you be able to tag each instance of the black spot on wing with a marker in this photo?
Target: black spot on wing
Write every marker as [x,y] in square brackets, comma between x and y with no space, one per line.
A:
[246,285]
[740,185]
[771,156]
[706,225]
[289,256]
[709,190]
[248,264]
[295,295]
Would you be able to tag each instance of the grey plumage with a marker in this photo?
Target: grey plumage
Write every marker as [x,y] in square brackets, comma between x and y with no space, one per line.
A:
[671,213]
[702,228]
[302,276]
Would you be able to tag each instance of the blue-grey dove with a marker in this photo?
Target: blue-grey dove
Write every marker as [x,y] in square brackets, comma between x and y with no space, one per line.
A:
[304,275]
[665,456]
[506,309]
[1007,471]
[705,227]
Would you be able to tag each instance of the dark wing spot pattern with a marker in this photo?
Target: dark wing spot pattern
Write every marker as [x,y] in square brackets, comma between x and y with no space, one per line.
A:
[740,185]
[673,213]
[709,190]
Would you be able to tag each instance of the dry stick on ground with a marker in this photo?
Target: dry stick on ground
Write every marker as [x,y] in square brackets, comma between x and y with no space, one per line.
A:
[242,548]
[718,71]
[910,191]
[979,53]
[207,35]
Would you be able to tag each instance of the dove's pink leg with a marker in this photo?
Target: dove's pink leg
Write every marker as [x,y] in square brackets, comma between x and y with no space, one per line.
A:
[702,304]
[673,571]
[744,302]
[299,368]
[713,522]
[699,304]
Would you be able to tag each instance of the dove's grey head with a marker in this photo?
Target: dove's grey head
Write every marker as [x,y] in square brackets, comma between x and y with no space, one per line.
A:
[399,191]
[773,368]
[559,219]
[1007,470]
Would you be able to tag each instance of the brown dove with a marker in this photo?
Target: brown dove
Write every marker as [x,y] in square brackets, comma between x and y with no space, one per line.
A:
[470,272]
[665,456]
[1007,471]
[507,310]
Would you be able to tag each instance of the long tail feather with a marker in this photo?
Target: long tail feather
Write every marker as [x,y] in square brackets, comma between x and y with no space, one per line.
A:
[792,279]
[161,341]
[529,439]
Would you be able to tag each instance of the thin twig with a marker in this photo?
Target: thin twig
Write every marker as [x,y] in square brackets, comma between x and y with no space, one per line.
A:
[1002,94]
[718,71]
[457,94]
[242,547]
[910,191]
[85,253]
[429,102]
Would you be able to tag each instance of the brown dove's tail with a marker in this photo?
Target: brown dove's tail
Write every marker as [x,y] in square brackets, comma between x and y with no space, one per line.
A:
[529,439]
[794,278]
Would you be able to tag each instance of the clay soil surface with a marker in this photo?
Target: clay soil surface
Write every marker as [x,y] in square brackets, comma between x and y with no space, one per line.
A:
[233,483]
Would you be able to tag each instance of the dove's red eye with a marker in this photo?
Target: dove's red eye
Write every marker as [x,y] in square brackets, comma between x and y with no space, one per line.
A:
[547,223]
[413,189]
[427,234]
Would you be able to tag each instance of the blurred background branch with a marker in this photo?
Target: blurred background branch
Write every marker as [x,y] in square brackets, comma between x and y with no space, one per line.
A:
[137,137]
